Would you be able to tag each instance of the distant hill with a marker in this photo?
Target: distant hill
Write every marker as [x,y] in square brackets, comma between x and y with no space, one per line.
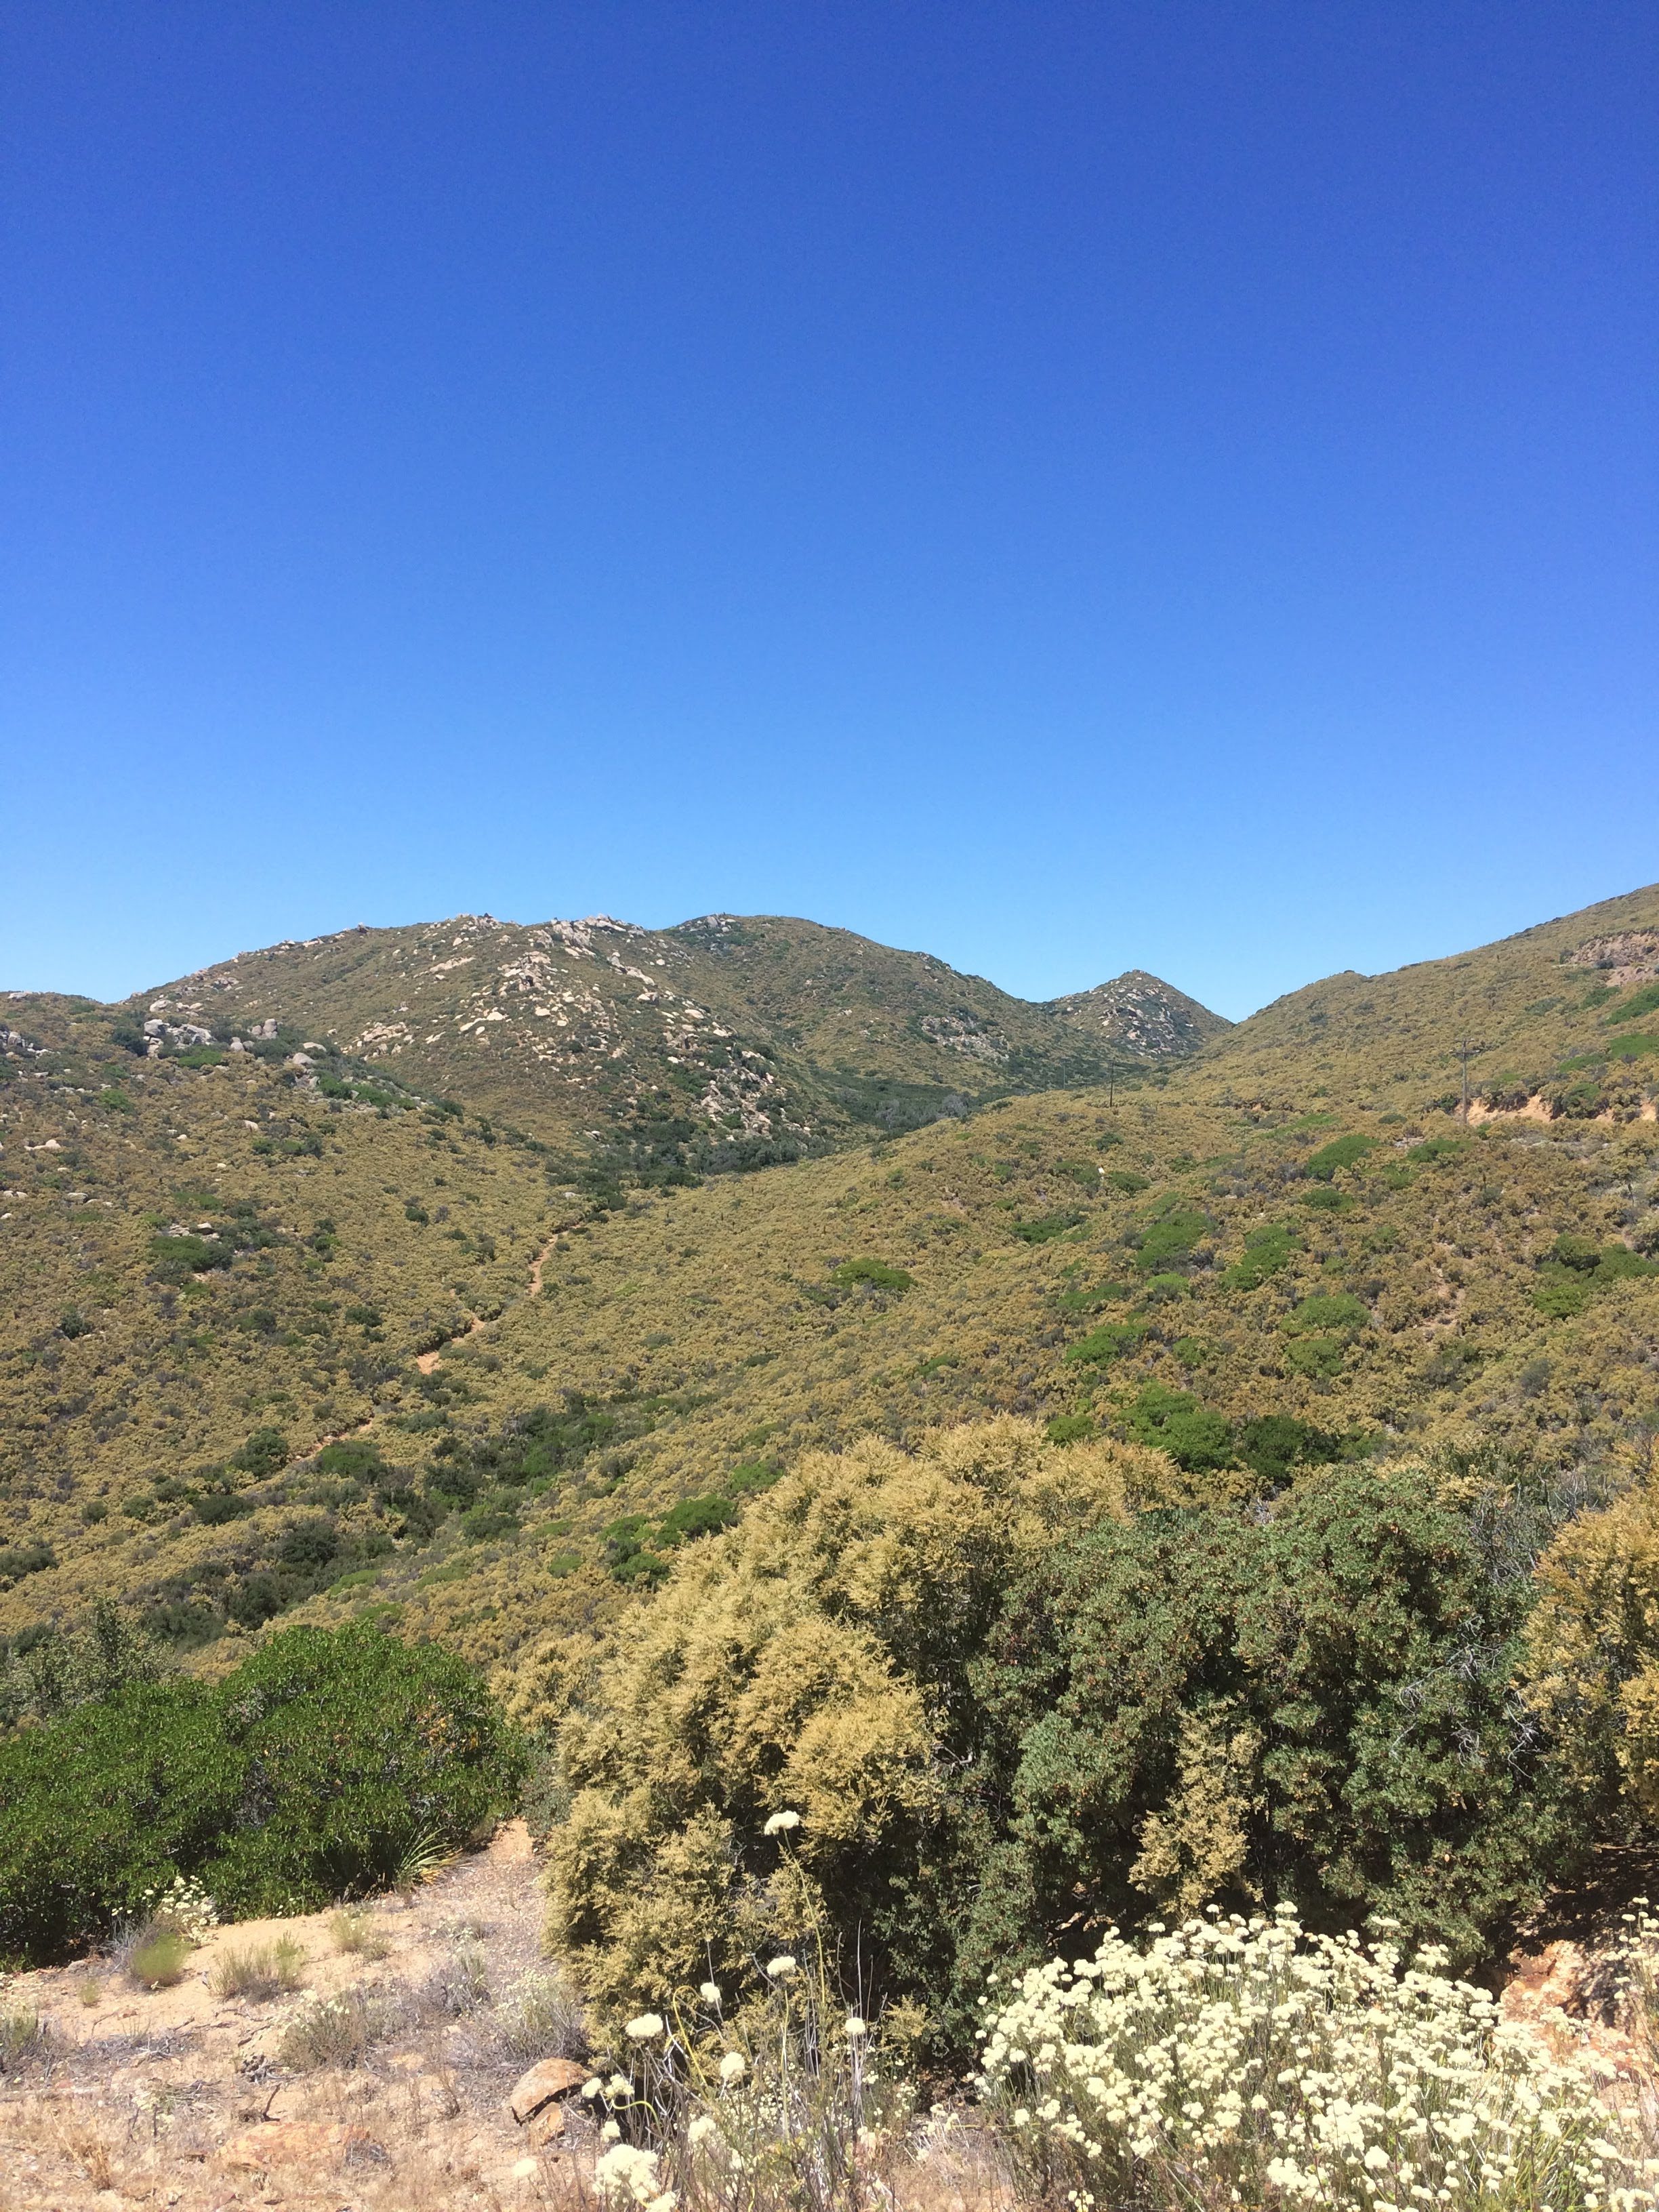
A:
[1563,1017]
[211,1261]
[730,1041]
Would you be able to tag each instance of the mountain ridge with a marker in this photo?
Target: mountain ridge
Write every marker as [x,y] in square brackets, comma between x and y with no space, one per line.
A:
[212,1262]
[757,1036]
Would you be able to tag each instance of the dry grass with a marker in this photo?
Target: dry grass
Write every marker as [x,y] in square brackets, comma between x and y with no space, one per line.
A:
[541,2016]
[338,2031]
[260,1970]
[352,1930]
[23,2036]
[158,1960]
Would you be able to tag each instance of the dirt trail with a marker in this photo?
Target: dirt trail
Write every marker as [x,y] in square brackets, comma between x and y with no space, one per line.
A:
[426,1361]
[181,2098]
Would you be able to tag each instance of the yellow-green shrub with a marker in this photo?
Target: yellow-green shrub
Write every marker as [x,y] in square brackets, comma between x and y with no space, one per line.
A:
[810,1660]
[1592,1660]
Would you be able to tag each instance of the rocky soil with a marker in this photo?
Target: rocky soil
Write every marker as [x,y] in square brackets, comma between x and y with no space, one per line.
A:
[179,2097]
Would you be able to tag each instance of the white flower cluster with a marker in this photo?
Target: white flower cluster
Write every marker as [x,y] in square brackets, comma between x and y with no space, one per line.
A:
[184,1904]
[1243,2062]
[626,2175]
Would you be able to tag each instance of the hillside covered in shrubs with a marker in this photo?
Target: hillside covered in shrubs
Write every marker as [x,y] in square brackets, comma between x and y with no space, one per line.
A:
[1230,1487]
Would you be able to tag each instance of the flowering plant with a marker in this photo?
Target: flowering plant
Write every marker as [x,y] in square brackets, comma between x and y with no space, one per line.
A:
[184,1905]
[773,2097]
[1238,2062]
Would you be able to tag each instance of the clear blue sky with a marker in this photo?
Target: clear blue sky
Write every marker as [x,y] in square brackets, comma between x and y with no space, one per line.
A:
[1066,486]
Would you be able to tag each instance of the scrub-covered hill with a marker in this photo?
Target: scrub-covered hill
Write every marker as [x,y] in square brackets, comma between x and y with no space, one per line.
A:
[1253,1279]
[207,1267]
[729,1042]
[1562,1020]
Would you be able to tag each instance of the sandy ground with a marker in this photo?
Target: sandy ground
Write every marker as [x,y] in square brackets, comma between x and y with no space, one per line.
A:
[178,2098]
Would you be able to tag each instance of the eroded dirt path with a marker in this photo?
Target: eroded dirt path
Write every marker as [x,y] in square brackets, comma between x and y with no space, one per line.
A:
[426,1361]
[181,2098]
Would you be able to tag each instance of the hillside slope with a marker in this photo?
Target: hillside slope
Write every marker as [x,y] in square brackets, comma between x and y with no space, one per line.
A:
[1343,1263]
[728,1040]
[1564,1014]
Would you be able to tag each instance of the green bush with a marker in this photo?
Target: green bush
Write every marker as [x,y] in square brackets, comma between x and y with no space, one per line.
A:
[875,1272]
[113,1799]
[1047,1226]
[629,1553]
[1319,1708]
[307,1774]
[1274,1445]
[355,1457]
[1169,1239]
[1340,1152]
[695,1516]
[1069,1428]
[1196,1437]
[1089,1297]
[17,1560]
[357,1744]
[1266,1251]
[1010,1708]
[264,1452]
[1319,1358]
[174,1258]
[1108,1342]
[1326,1312]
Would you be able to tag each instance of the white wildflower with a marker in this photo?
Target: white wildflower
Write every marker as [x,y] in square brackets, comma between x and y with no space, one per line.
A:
[782,1967]
[781,1823]
[733,2067]
[625,2173]
[709,1992]
[644,2025]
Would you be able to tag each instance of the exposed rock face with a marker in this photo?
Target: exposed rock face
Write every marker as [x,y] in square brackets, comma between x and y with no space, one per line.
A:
[1146,1018]
[757,1031]
[1629,956]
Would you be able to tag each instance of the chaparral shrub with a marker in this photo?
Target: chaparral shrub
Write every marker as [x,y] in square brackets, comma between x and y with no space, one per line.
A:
[306,1774]
[1235,2062]
[1013,1685]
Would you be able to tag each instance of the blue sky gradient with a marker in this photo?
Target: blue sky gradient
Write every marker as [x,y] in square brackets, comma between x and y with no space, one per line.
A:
[1066,486]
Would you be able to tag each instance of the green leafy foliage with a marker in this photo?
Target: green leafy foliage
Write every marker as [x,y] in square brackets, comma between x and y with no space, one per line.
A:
[997,1729]
[874,1273]
[1327,1312]
[306,1774]
[1266,1253]
[1045,1227]
[1341,1152]
[1069,1428]
[1196,1437]
[1169,1238]
[1107,1343]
